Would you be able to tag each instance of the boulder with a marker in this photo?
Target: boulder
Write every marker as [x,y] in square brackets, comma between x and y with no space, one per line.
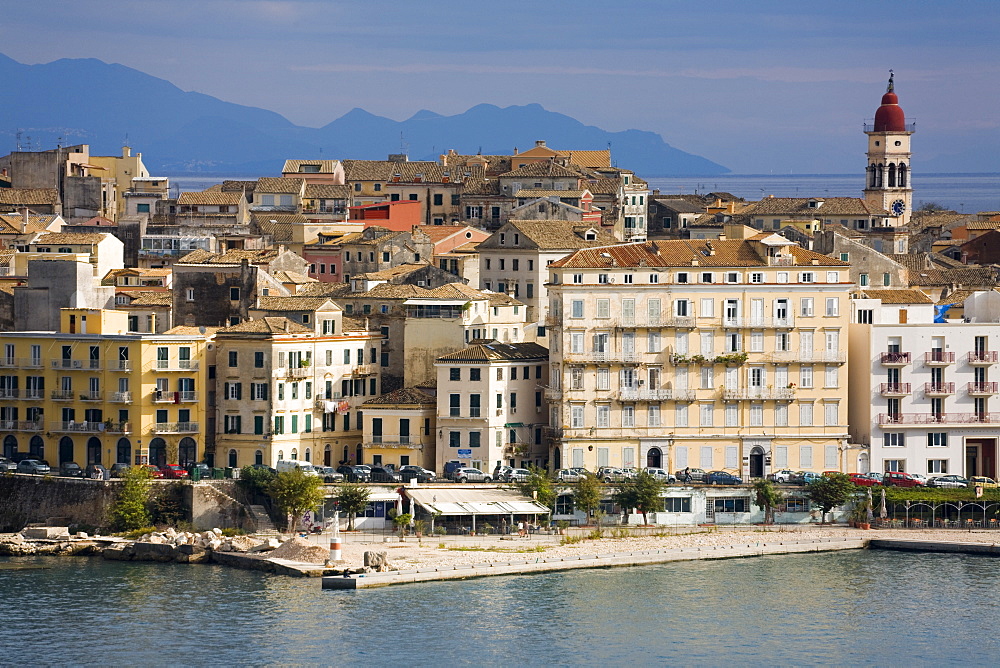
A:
[375,560]
[191,554]
[35,533]
[154,552]
[119,552]
[266,546]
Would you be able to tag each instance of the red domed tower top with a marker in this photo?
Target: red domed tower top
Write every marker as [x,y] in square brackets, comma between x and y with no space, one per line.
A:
[889,117]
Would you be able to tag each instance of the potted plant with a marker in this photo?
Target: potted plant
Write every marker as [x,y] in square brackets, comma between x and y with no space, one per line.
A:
[563,526]
[401,522]
[419,527]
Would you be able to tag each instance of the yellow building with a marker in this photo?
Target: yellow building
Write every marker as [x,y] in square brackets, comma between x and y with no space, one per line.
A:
[94,393]
[286,391]
[716,354]
[399,428]
[120,170]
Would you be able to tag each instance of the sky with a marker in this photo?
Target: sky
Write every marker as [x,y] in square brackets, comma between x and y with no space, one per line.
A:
[761,87]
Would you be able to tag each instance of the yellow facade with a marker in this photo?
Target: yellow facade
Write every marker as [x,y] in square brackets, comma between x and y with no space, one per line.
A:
[399,429]
[709,354]
[93,393]
[119,169]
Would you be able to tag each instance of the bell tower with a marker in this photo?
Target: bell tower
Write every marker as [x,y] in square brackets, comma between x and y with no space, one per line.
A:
[887,178]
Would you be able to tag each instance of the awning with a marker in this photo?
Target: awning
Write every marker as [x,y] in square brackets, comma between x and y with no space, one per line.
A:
[475,502]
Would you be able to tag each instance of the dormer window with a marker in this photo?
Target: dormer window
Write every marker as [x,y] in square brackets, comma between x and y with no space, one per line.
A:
[503,239]
[590,236]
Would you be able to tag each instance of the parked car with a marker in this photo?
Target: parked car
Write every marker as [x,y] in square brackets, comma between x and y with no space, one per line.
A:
[697,475]
[982,481]
[32,466]
[611,474]
[329,474]
[876,475]
[173,472]
[581,470]
[660,474]
[862,479]
[783,476]
[204,470]
[418,473]
[723,478]
[96,471]
[630,472]
[920,477]
[384,474]
[118,469]
[900,479]
[354,473]
[7,465]
[517,475]
[569,475]
[804,478]
[948,481]
[450,468]
[471,475]
[70,470]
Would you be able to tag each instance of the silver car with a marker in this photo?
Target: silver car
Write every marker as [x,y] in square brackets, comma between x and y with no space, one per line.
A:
[569,475]
[471,475]
[660,474]
[32,466]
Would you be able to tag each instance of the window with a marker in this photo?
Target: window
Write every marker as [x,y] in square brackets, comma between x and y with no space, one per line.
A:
[603,415]
[628,416]
[895,439]
[258,391]
[454,374]
[805,415]
[833,306]
[190,294]
[578,278]
[807,277]
[732,415]
[233,358]
[734,505]
[705,415]
[628,278]
[782,277]
[756,415]
[677,504]
[756,342]
[234,294]
[806,377]
[732,277]
[654,278]
[455,405]
[681,415]
[866,316]
[863,280]
[603,378]
[682,277]
[576,417]
[887,279]
[577,308]
[603,308]
[653,415]
[806,307]
[937,465]
[706,277]
[831,377]
[845,257]
[258,359]
[831,414]
[833,277]
[757,277]
[781,415]
[937,439]
[892,465]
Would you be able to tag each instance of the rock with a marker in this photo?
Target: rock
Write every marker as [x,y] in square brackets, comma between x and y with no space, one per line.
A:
[154,539]
[45,532]
[82,535]
[266,546]
[375,560]
[119,552]
[217,531]
[154,552]
[301,550]
[191,554]
[239,544]
[170,532]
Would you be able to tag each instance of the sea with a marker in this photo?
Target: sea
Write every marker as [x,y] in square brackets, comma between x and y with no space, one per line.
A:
[861,607]
[964,193]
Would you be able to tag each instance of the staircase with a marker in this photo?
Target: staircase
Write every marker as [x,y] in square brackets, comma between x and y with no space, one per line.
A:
[261,519]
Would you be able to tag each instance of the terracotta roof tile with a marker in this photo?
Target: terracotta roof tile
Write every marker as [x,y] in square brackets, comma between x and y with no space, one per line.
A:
[405,396]
[294,303]
[279,185]
[325,166]
[207,198]
[29,196]
[896,296]
[325,191]
[71,238]
[556,235]
[541,168]
[498,352]
[267,325]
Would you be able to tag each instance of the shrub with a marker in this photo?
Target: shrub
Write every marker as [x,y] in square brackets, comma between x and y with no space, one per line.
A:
[129,510]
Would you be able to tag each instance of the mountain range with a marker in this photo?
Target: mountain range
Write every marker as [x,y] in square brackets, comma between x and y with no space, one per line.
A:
[88,101]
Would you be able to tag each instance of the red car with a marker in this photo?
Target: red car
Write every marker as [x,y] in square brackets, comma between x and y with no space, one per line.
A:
[173,472]
[900,479]
[862,480]
[153,471]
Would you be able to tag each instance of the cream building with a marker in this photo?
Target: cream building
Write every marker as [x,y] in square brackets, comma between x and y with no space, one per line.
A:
[399,428]
[490,405]
[718,354]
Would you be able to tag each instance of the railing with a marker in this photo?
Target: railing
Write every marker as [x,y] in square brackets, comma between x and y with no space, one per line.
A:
[939,388]
[894,389]
[781,261]
[398,444]
[552,394]
[120,397]
[907,127]
[982,388]
[167,397]
[179,365]
[120,365]
[20,425]
[363,370]
[761,393]
[76,364]
[602,356]
[71,425]
[61,395]
[894,358]
[90,396]
[759,322]
[939,357]
[982,357]
[21,362]
[297,372]
[552,433]
[653,395]
[175,428]
[806,356]
[9,394]
[33,394]
[666,321]
[938,418]
[553,320]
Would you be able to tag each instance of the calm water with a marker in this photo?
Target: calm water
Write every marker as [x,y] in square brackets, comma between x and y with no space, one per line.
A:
[879,608]
[967,193]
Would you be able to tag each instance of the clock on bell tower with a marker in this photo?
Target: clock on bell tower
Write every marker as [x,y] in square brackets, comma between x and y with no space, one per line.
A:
[887,179]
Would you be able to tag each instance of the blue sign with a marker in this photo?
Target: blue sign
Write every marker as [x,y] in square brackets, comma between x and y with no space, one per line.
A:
[465,453]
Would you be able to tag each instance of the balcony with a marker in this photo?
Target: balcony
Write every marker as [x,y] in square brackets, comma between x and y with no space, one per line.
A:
[21,362]
[396,444]
[176,365]
[982,389]
[175,428]
[939,389]
[165,397]
[667,321]
[918,419]
[553,320]
[552,394]
[806,357]
[120,365]
[363,370]
[120,397]
[603,356]
[552,433]
[636,394]
[894,359]
[760,393]
[61,395]
[297,373]
[33,395]
[91,396]
[20,425]
[938,358]
[982,357]
[9,394]
[72,425]
[781,261]
[894,389]
[78,365]
[787,322]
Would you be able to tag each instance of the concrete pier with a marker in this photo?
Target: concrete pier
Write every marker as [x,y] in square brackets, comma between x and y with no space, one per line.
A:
[542,564]
[917,545]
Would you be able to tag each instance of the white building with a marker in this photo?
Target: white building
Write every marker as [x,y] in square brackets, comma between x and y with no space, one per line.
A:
[921,391]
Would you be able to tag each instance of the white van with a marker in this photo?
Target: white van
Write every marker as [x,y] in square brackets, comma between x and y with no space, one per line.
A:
[292,464]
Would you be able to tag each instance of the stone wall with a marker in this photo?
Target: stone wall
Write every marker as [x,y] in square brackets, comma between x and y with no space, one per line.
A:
[212,505]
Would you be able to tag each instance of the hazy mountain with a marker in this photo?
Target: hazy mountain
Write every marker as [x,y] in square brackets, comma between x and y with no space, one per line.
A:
[89,101]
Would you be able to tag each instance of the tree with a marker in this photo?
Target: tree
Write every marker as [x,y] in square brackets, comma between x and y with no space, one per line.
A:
[538,486]
[295,493]
[930,207]
[352,499]
[255,479]
[587,495]
[768,496]
[830,491]
[130,509]
[642,492]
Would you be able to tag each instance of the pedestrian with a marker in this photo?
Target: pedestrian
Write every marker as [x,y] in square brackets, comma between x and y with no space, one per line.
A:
[520,529]
[687,474]
[503,526]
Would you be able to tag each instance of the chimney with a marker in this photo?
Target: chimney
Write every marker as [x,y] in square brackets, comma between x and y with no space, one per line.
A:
[446,177]
[24,221]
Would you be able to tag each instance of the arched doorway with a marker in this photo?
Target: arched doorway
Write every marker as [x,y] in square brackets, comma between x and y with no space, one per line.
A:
[158,452]
[863,465]
[94,450]
[757,462]
[232,458]
[557,459]
[361,454]
[258,458]
[347,455]
[187,451]
[9,445]
[327,455]
[124,451]
[654,458]
[309,455]
[65,449]
[36,446]
[281,455]
[295,453]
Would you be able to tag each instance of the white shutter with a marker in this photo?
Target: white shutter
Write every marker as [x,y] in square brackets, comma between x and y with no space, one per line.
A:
[681,456]
[781,456]
[806,456]
[831,457]
[602,456]
[706,457]
[578,457]
[732,457]
[628,457]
